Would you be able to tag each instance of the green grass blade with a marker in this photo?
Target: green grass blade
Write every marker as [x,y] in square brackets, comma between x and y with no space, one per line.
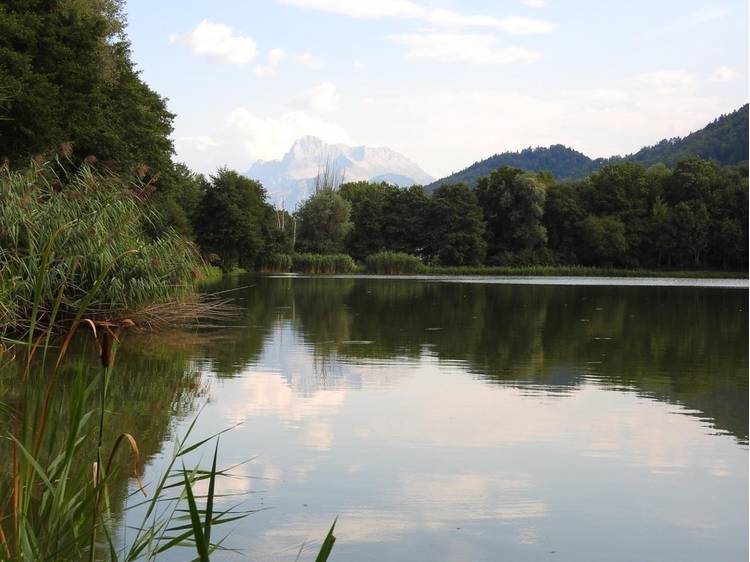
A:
[327,546]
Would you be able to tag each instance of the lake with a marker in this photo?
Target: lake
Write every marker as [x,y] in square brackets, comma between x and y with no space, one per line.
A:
[441,419]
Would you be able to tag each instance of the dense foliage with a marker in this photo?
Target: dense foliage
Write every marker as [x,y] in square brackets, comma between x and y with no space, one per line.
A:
[694,216]
[68,77]
[230,219]
[324,222]
[84,237]
[724,141]
[68,84]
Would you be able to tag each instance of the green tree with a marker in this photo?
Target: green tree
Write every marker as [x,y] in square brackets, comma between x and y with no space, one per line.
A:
[728,216]
[405,216]
[562,214]
[231,218]
[603,240]
[626,192]
[177,197]
[69,78]
[325,222]
[367,202]
[455,226]
[513,206]
[689,225]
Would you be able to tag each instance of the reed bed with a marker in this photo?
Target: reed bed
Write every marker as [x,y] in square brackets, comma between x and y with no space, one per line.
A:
[393,263]
[87,230]
[322,263]
[277,263]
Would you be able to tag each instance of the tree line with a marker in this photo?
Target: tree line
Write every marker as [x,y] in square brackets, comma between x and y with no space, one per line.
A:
[625,215]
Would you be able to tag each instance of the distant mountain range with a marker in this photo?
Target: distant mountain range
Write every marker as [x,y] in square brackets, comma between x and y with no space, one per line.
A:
[292,179]
[724,140]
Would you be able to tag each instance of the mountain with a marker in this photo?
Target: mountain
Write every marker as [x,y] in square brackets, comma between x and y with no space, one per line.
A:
[293,177]
[725,140]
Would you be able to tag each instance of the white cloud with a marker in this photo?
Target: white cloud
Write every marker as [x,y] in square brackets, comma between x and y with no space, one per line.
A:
[218,41]
[278,56]
[358,65]
[724,74]
[408,10]
[667,79]
[267,138]
[463,48]
[197,143]
[535,3]
[274,58]
[322,98]
[309,60]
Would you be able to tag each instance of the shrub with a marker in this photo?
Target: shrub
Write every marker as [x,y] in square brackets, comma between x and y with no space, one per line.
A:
[390,263]
[322,263]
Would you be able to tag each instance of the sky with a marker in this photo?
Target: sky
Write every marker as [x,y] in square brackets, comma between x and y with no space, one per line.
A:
[444,82]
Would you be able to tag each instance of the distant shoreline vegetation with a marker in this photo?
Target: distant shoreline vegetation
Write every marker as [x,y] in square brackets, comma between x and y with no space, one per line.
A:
[400,264]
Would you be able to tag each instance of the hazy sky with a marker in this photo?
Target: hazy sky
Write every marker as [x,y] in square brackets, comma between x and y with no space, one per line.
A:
[444,82]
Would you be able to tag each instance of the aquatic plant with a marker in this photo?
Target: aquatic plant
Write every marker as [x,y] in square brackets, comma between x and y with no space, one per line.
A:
[277,263]
[389,263]
[86,229]
[322,263]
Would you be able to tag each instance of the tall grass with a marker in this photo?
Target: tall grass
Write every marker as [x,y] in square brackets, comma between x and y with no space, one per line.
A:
[393,263]
[86,229]
[277,263]
[322,263]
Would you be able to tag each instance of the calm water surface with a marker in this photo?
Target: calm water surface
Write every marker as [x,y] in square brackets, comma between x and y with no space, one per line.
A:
[466,421]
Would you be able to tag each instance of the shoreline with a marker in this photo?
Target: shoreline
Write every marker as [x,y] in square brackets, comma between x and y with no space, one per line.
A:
[520,272]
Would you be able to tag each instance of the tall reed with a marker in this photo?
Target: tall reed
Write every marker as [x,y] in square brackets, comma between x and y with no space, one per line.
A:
[322,263]
[277,263]
[76,225]
[391,263]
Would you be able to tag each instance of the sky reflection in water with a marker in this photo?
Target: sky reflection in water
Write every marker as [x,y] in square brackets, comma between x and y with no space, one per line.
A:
[476,422]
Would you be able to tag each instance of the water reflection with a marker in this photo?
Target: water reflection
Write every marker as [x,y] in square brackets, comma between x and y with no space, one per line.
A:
[446,421]
[679,345]
[465,421]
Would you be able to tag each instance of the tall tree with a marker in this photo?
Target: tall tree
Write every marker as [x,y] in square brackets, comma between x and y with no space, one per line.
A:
[513,206]
[405,217]
[69,78]
[231,218]
[456,226]
[562,213]
[325,221]
[367,202]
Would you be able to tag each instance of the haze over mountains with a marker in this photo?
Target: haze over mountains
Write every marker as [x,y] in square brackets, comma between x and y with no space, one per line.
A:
[293,177]
[725,140]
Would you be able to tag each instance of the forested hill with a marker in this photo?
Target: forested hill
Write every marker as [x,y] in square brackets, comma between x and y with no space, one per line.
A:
[724,141]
